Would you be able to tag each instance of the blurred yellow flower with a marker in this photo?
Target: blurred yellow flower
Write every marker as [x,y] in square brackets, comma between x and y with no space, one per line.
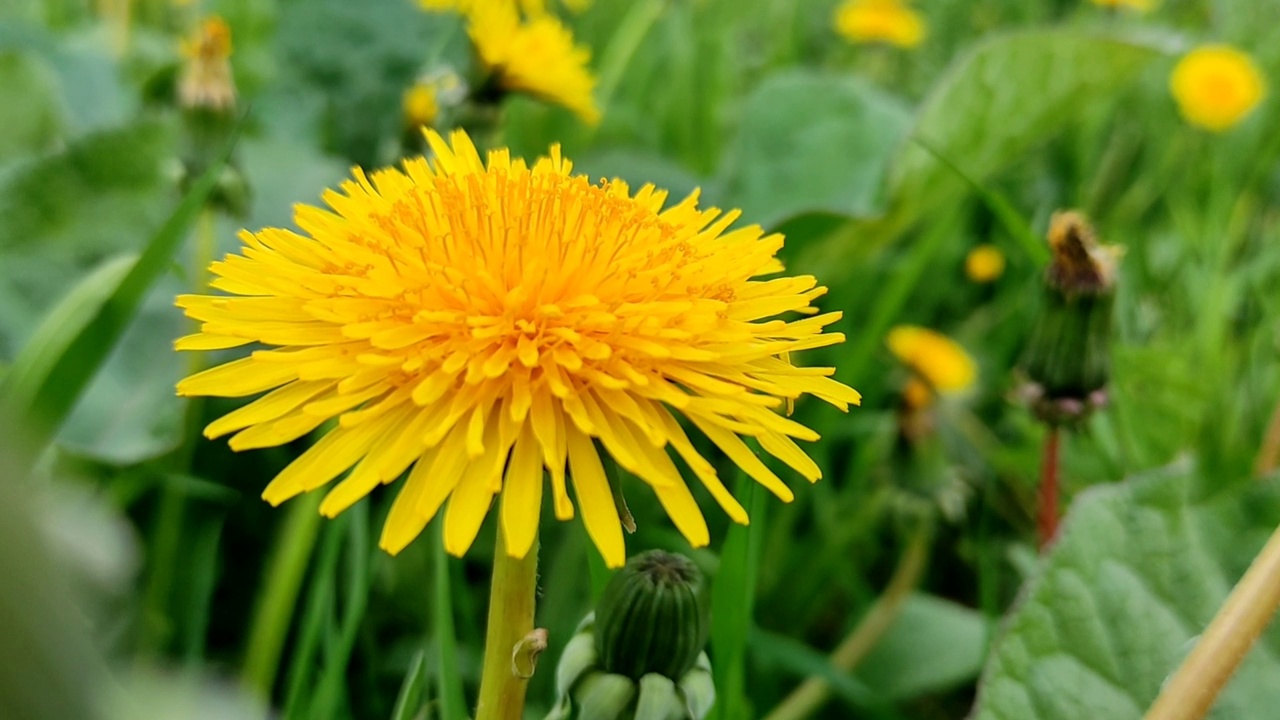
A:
[1139,5]
[205,78]
[480,322]
[537,56]
[934,357]
[420,105]
[890,21]
[1216,86]
[984,264]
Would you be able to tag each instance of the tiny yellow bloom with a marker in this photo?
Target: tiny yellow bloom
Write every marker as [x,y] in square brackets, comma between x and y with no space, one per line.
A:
[984,264]
[1216,86]
[934,357]
[890,21]
[1139,5]
[420,105]
[205,79]
[537,56]
[482,326]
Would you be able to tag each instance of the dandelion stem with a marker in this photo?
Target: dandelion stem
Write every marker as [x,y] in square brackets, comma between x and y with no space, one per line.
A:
[1191,692]
[809,697]
[1048,523]
[511,603]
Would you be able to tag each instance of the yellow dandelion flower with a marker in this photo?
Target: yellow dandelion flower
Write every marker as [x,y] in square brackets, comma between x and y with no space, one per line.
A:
[483,321]
[420,105]
[984,264]
[536,56]
[1139,5]
[205,79]
[890,21]
[934,357]
[1216,86]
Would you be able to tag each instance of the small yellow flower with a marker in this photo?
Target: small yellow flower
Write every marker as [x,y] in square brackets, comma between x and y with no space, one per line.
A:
[1139,5]
[984,264]
[537,56]
[205,79]
[420,104]
[890,21]
[934,357]
[1216,86]
[484,323]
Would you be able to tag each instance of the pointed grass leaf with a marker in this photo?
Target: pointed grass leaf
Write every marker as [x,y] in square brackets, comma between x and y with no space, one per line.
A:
[453,701]
[409,699]
[1138,571]
[733,591]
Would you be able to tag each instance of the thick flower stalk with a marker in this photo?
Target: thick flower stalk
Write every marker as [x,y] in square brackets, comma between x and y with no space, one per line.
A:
[481,324]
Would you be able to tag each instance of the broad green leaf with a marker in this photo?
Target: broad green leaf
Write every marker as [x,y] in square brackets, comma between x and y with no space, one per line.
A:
[82,80]
[1004,97]
[803,661]
[130,412]
[933,645]
[29,115]
[45,404]
[812,142]
[1140,569]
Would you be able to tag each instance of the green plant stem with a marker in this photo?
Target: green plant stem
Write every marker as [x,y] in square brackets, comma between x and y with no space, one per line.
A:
[811,694]
[623,46]
[1192,690]
[1048,517]
[283,576]
[511,604]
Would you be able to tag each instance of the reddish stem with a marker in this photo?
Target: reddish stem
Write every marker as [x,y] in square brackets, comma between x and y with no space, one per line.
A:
[1049,488]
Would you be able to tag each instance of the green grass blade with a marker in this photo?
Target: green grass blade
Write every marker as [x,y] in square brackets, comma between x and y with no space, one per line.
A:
[732,603]
[453,699]
[319,606]
[1014,224]
[332,686]
[409,699]
[45,384]
[803,661]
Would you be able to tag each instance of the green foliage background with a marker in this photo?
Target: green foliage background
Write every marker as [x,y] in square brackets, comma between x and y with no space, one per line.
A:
[136,550]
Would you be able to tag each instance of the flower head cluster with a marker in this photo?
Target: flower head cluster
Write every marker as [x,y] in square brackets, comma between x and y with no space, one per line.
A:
[483,325]
[525,48]
[1216,86]
[205,79]
[887,21]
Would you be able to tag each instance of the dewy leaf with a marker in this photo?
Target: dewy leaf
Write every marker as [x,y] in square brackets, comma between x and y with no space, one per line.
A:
[812,142]
[1140,569]
[1005,96]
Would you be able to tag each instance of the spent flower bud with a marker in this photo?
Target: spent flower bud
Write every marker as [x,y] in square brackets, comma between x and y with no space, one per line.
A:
[1068,359]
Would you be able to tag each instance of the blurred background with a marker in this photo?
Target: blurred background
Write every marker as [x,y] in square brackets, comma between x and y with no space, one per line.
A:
[912,154]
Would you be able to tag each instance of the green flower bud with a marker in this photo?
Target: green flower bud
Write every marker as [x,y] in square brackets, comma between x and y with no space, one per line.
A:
[639,656]
[1068,359]
[653,617]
